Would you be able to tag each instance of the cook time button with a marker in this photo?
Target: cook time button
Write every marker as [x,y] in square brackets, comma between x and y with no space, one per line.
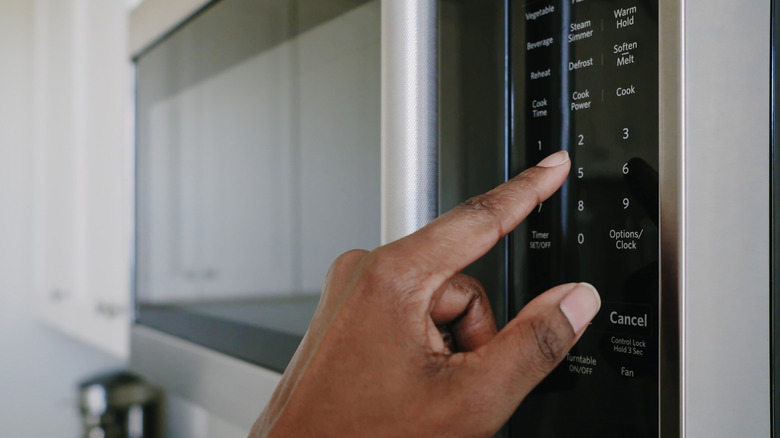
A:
[539,108]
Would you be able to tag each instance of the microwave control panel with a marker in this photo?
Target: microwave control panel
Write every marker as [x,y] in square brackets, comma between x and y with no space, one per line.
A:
[585,79]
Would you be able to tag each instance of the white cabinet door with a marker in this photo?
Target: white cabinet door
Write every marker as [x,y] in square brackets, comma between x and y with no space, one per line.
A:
[83,165]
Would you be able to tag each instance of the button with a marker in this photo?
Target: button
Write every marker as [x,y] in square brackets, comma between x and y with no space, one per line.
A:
[546,42]
[625,91]
[536,14]
[628,356]
[625,17]
[624,53]
[580,31]
[540,74]
[580,100]
[624,319]
[582,364]
[539,108]
[582,63]
[539,239]
[626,239]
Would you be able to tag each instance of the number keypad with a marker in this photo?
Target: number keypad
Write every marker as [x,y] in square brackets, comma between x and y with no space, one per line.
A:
[585,79]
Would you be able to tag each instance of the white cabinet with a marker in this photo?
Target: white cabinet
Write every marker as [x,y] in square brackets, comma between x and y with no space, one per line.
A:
[83,170]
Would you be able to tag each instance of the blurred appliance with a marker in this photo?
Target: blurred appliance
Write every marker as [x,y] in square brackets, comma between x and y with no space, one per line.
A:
[259,125]
[120,405]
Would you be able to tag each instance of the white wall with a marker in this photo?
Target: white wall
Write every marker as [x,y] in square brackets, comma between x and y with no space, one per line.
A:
[39,368]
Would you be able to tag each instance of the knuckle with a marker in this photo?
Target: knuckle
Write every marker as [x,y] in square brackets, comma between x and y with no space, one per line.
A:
[483,202]
[550,345]
[469,286]
[485,207]
[437,366]
[347,260]
[383,270]
[527,185]
[379,263]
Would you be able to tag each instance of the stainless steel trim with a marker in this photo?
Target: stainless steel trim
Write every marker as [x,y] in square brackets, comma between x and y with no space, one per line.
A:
[726,354]
[231,389]
[154,18]
[672,217]
[409,116]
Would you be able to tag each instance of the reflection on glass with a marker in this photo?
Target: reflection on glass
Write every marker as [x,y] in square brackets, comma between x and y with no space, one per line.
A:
[258,164]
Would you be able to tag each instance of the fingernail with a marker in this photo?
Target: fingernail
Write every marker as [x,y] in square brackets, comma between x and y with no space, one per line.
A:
[555,159]
[581,305]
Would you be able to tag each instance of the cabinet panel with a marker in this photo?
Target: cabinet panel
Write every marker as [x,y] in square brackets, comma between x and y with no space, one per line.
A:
[83,167]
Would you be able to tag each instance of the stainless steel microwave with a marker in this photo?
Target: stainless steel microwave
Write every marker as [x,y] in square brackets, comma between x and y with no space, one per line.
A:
[273,135]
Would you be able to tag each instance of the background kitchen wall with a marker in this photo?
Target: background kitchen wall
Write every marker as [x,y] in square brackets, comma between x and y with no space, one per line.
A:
[39,366]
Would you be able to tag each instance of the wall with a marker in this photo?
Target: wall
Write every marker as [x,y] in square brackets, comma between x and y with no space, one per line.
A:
[39,368]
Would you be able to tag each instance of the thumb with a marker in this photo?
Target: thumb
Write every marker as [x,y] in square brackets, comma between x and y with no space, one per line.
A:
[532,345]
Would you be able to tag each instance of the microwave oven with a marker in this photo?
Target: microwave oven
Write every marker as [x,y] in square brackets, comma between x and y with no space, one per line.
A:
[273,135]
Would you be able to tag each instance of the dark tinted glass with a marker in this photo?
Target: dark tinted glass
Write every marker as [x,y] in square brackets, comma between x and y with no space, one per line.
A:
[585,79]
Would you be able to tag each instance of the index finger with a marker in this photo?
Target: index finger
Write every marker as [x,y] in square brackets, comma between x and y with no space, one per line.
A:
[464,234]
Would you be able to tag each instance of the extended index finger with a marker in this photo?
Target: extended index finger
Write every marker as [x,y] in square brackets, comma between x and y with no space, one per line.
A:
[464,234]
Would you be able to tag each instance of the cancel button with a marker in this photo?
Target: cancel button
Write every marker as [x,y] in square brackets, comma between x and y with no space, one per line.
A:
[617,318]
[626,318]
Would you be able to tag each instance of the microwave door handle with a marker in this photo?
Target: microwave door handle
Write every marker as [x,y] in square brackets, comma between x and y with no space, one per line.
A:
[409,129]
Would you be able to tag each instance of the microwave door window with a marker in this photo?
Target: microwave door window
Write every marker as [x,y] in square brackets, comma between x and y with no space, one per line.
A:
[257,165]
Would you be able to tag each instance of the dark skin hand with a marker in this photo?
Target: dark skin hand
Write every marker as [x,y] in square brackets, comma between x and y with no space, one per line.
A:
[403,344]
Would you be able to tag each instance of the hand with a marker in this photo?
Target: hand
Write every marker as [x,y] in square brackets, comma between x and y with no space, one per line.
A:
[403,344]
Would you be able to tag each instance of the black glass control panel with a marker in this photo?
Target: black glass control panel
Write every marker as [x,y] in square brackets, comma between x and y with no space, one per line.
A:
[585,79]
